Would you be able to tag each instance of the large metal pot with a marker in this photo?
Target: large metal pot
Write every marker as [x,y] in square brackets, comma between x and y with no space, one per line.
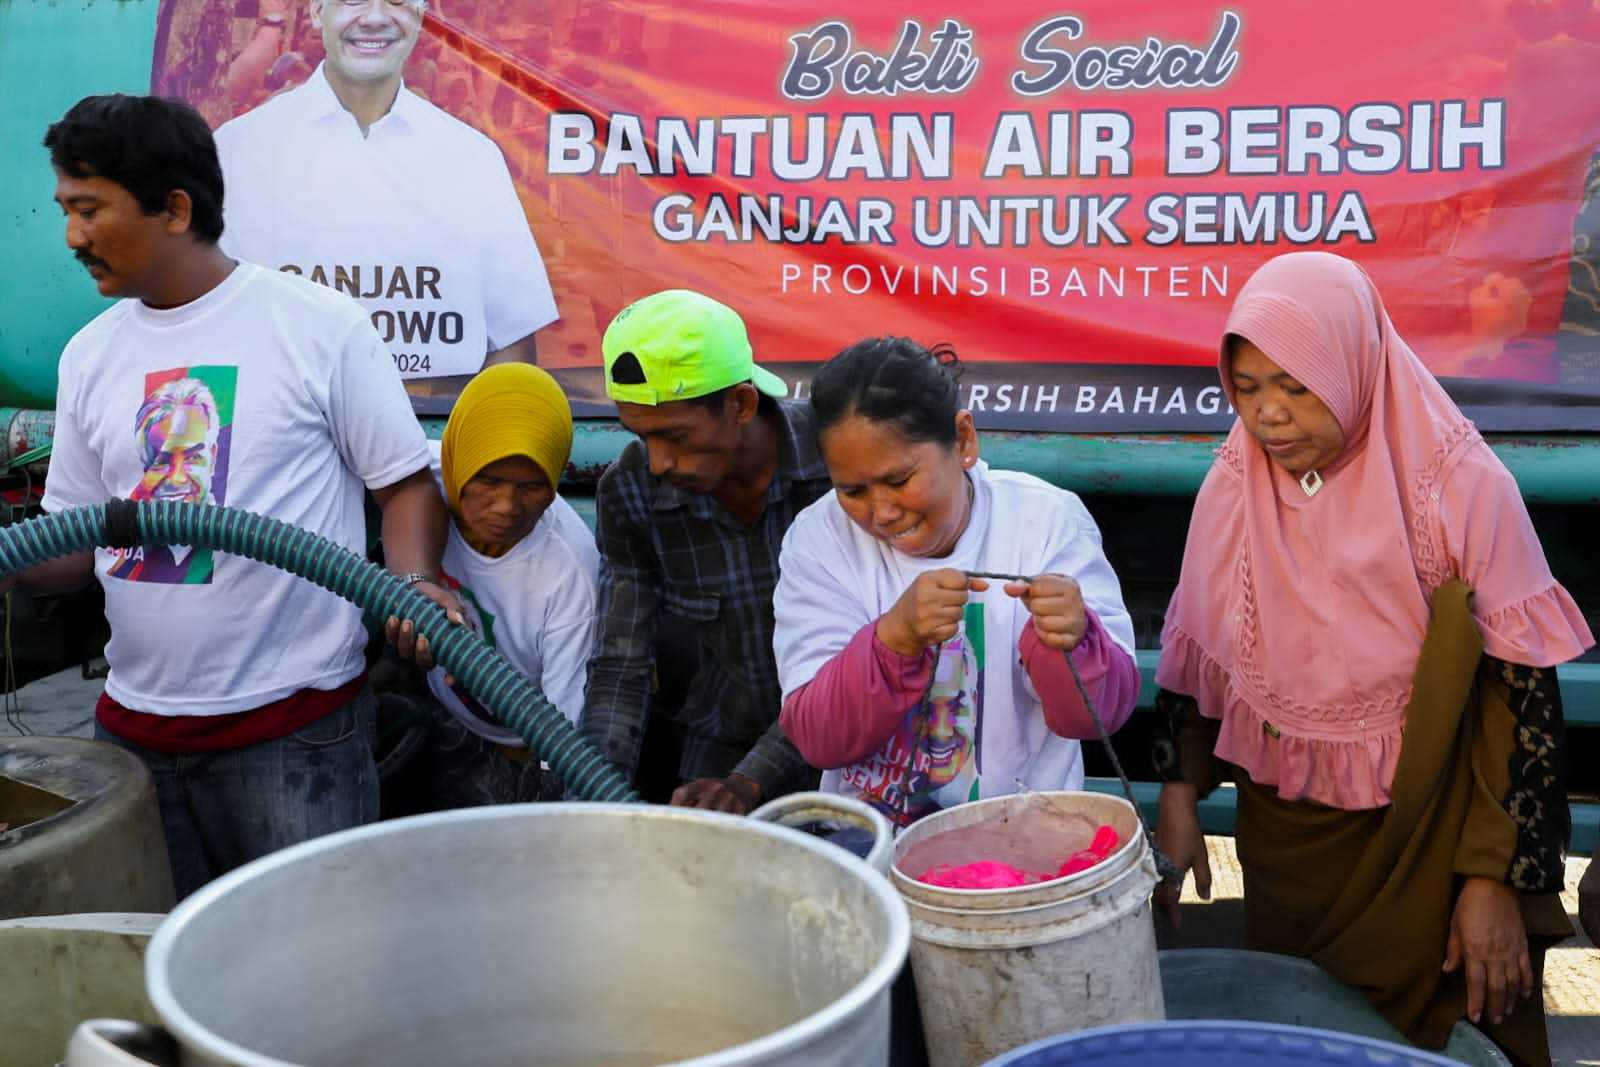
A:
[554,935]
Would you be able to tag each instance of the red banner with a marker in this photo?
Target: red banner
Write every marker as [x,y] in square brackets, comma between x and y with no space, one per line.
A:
[1072,200]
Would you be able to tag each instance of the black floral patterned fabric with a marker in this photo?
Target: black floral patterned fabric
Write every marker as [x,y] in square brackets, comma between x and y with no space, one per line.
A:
[1537,799]
[1184,743]
[1171,709]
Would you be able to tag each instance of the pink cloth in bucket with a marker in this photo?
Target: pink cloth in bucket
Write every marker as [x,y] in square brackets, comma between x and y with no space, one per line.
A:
[992,874]
[985,874]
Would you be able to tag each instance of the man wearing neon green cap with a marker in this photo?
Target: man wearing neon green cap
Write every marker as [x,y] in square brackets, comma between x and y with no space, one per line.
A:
[690,520]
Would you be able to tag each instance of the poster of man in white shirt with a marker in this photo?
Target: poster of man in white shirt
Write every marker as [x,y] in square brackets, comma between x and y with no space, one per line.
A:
[357,183]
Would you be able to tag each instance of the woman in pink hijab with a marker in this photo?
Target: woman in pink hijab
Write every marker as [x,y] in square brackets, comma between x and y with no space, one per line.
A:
[1363,637]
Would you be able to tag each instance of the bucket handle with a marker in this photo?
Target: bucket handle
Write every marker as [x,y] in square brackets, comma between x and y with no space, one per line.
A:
[797,809]
[120,1043]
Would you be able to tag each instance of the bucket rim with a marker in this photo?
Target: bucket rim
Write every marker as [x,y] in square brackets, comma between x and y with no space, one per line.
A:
[1112,885]
[1074,918]
[191,1034]
[1372,1051]
[1124,857]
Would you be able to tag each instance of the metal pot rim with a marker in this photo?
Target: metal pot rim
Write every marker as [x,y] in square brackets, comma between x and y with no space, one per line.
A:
[190,1033]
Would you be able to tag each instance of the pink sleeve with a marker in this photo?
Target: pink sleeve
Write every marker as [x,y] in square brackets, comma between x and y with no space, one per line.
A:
[1108,672]
[1526,616]
[856,701]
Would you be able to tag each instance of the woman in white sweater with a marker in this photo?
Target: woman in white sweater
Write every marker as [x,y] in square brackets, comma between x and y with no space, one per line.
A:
[912,683]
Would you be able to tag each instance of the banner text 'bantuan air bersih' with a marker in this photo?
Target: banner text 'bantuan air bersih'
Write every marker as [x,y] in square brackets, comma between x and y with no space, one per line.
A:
[1072,196]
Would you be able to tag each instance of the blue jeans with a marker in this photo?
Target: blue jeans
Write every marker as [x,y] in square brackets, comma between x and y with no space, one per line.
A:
[221,810]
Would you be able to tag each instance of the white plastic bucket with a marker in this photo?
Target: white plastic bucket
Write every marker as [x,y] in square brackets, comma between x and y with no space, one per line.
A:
[801,810]
[999,968]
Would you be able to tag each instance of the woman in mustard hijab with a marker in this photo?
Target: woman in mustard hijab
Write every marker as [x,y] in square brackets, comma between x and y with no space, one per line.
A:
[524,566]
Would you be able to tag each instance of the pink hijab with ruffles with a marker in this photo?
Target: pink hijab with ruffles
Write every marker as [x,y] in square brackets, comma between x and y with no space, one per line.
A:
[1298,619]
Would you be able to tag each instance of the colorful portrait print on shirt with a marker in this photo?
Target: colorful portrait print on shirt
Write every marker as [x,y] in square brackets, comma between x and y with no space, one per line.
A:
[932,760]
[479,620]
[184,432]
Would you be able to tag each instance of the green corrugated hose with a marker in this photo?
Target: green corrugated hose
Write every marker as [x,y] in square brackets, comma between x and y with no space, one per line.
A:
[478,668]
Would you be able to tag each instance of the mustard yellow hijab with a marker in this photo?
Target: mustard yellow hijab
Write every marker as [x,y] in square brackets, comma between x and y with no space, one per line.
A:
[510,409]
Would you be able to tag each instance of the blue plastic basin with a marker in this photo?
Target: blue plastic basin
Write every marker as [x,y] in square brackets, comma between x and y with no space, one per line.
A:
[1215,1044]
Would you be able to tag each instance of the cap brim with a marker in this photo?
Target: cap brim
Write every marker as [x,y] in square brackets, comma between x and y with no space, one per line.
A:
[769,383]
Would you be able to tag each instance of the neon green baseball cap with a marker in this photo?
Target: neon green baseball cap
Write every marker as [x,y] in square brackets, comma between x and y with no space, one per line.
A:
[687,345]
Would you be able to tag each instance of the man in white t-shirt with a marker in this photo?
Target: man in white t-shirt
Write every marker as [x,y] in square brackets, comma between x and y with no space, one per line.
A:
[357,183]
[215,382]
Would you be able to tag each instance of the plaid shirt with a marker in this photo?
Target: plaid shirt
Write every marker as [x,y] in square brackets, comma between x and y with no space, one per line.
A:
[679,559]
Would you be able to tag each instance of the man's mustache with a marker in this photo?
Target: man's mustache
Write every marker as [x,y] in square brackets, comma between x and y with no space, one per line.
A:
[87,260]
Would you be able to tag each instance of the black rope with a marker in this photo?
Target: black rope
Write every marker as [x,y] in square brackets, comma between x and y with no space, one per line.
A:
[122,523]
[1164,867]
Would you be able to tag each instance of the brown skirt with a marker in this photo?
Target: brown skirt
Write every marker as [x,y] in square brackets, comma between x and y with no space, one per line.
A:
[1368,895]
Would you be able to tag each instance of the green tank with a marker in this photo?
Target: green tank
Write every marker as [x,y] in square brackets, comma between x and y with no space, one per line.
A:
[51,55]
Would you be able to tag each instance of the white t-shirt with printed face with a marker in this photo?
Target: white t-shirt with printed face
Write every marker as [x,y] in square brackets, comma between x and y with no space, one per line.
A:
[268,394]
[535,604]
[418,220]
[985,731]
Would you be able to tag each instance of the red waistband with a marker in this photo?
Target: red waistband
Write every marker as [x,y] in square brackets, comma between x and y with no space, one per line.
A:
[212,733]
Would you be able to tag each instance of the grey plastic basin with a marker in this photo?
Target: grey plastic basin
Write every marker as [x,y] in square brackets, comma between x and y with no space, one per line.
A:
[1215,983]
